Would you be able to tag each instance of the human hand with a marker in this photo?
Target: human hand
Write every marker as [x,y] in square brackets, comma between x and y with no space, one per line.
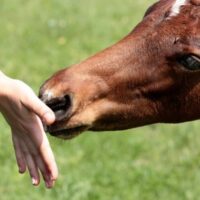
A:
[23,110]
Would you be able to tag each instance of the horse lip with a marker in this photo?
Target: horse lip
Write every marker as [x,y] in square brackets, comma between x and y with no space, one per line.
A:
[67,133]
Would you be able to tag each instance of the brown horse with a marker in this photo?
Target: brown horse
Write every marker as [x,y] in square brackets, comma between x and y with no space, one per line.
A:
[150,76]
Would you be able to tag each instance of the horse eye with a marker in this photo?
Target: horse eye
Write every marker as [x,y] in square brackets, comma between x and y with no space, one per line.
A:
[190,62]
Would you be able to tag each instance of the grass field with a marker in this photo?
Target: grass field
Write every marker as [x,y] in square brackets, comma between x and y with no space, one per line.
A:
[158,162]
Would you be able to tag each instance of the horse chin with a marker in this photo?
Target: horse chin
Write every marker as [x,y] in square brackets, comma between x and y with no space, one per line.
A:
[67,133]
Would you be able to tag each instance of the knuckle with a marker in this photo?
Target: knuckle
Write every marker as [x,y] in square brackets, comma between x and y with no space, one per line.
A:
[24,151]
[34,154]
[42,110]
[20,85]
[18,82]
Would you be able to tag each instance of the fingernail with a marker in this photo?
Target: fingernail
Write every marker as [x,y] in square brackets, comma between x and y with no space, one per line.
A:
[34,181]
[49,117]
[21,170]
[48,184]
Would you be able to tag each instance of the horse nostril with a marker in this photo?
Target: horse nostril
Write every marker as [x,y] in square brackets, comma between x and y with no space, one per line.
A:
[61,106]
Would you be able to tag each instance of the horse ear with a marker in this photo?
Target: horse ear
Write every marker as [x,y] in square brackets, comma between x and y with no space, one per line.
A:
[151,9]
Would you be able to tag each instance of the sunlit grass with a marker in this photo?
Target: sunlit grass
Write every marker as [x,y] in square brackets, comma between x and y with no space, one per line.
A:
[153,162]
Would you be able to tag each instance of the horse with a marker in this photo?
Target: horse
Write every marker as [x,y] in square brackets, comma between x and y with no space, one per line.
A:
[150,76]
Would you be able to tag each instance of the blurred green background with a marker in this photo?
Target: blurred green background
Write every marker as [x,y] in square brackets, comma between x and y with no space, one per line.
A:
[155,162]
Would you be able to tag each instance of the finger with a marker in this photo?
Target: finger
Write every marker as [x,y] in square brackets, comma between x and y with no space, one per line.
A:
[39,158]
[38,139]
[18,153]
[31,164]
[42,144]
[33,171]
[49,160]
[33,103]
[45,173]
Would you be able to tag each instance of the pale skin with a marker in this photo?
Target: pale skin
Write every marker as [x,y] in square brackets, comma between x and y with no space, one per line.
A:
[25,113]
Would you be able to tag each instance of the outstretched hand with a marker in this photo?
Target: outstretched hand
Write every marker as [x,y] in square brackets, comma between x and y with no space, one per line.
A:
[24,111]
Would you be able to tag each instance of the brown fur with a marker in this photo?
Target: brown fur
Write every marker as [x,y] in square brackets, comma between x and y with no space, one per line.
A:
[136,82]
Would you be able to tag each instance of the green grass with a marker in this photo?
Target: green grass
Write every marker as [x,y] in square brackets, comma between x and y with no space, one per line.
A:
[159,162]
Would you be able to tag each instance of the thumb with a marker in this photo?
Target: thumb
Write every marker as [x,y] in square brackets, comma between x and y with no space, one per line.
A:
[33,103]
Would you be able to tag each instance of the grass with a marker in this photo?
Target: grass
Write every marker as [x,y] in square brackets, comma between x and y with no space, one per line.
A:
[155,162]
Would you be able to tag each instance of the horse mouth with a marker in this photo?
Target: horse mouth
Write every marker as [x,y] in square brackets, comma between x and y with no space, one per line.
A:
[67,133]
